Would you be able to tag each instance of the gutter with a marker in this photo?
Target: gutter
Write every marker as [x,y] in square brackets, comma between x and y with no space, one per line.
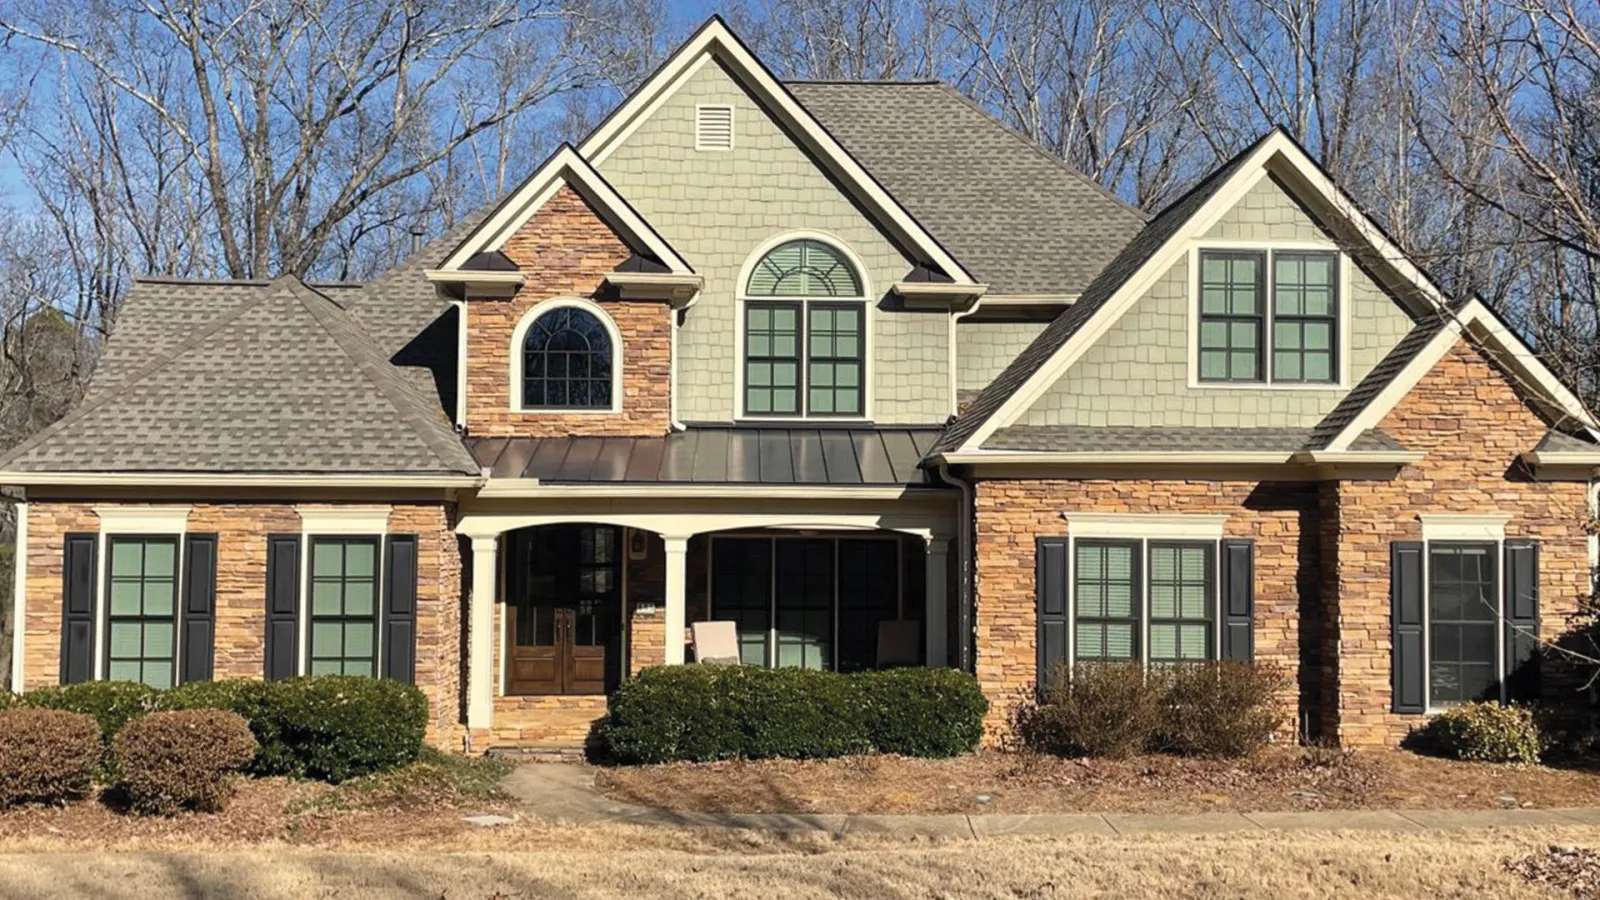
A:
[1026,457]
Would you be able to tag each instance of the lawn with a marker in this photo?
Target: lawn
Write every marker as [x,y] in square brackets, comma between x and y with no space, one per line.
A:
[611,862]
[1282,778]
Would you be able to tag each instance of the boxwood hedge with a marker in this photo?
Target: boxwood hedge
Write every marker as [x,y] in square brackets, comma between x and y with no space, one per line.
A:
[701,713]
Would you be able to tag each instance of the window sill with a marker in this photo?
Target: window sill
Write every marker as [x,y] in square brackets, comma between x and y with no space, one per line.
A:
[568,411]
[1313,386]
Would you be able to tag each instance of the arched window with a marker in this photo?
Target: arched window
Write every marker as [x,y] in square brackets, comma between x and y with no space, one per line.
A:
[805,317]
[567,361]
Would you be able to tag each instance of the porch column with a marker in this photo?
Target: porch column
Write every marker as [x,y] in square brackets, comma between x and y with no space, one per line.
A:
[938,600]
[676,595]
[480,633]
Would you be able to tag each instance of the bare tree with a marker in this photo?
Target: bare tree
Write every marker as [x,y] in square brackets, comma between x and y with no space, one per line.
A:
[305,126]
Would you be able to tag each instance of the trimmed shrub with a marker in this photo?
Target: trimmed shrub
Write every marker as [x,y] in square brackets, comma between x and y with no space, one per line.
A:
[46,755]
[183,759]
[1222,709]
[797,713]
[701,713]
[1484,732]
[111,703]
[923,712]
[1103,709]
[671,713]
[331,727]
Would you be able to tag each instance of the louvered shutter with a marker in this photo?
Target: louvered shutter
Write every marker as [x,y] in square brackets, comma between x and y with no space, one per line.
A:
[1522,620]
[1050,599]
[400,607]
[283,606]
[199,618]
[1238,599]
[1406,650]
[79,571]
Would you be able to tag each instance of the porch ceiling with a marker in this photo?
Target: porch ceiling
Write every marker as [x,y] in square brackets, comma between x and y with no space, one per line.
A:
[797,456]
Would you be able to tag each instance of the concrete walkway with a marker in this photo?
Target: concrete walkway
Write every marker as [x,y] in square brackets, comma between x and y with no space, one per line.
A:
[565,792]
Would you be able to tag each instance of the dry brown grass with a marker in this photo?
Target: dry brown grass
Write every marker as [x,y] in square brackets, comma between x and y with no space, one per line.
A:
[1281,779]
[608,862]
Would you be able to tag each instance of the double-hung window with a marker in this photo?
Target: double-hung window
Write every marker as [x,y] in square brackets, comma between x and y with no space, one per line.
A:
[344,605]
[1268,316]
[805,318]
[142,610]
[1107,589]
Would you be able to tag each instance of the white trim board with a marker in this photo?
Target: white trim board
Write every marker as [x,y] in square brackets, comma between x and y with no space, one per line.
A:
[19,599]
[1277,154]
[565,167]
[133,521]
[1451,527]
[1142,526]
[716,39]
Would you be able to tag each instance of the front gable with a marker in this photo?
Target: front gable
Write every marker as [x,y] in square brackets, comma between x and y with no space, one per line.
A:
[1142,371]
[721,208]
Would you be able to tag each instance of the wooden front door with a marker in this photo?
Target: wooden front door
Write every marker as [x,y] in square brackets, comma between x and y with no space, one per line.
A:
[563,610]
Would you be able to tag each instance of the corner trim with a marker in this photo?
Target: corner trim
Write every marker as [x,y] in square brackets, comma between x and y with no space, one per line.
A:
[19,599]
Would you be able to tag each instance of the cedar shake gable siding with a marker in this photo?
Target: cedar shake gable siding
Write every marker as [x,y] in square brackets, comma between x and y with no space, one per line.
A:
[565,250]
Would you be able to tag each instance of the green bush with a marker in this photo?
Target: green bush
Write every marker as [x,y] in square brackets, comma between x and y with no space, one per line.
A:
[182,759]
[111,703]
[331,727]
[1485,732]
[701,713]
[1222,709]
[1102,709]
[669,713]
[797,713]
[46,755]
[923,712]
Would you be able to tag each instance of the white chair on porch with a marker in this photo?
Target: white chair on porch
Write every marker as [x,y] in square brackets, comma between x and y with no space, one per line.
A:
[716,642]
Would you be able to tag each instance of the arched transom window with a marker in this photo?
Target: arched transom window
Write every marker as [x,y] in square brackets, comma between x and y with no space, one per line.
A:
[805,318]
[567,361]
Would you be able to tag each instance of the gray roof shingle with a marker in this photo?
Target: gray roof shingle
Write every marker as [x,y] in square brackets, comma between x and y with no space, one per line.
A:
[1015,216]
[280,379]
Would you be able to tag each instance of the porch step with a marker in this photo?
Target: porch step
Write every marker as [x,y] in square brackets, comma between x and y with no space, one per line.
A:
[546,752]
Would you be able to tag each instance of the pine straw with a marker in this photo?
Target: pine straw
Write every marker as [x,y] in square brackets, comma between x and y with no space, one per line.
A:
[610,862]
[1280,779]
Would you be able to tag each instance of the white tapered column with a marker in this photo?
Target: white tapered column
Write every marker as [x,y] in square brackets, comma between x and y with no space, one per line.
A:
[938,600]
[676,596]
[480,621]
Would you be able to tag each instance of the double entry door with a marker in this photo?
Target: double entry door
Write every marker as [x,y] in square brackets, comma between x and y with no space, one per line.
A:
[564,610]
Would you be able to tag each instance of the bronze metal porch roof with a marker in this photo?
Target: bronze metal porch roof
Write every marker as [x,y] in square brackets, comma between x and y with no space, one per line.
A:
[718,455]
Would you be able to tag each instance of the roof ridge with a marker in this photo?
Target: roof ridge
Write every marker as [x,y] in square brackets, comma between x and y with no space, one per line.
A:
[372,367]
[873,81]
[154,366]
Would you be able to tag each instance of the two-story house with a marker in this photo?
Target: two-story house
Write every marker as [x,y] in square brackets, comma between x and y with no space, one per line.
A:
[813,358]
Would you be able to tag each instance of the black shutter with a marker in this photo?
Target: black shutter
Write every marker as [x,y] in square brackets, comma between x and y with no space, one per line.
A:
[1405,610]
[1238,599]
[1050,597]
[79,569]
[283,606]
[1522,620]
[199,608]
[400,607]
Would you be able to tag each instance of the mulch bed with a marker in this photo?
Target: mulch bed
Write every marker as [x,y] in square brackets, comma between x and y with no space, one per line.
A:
[1282,778]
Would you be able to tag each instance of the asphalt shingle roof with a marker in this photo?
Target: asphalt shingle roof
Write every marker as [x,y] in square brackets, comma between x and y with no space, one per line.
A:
[1015,216]
[1561,442]
[280,379]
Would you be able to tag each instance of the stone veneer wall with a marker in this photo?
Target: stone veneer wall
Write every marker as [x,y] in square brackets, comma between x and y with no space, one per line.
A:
[242,530]
[565,250]
[1472,422]
[1011,515]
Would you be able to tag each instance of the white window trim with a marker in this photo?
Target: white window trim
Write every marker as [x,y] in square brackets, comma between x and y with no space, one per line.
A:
[1192,314]
[121,521]
[732,122]
[337,522]
[19,599]
[1143,528]
[520,333]
[742,296]
[1427,607]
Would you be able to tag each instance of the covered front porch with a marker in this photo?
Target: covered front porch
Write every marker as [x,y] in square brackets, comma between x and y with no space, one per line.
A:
[570,594]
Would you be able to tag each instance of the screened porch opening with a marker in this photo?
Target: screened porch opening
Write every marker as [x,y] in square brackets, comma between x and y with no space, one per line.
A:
[815,601]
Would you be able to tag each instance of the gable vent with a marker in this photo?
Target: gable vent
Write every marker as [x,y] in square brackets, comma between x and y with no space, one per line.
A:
[713,128]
